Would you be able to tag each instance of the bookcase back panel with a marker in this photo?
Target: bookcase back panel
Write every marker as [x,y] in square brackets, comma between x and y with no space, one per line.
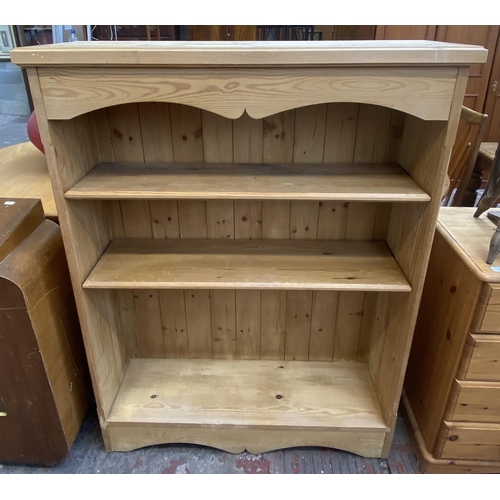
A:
[336,132]
[233,324]
[241,324]
[248,324]
[248,219]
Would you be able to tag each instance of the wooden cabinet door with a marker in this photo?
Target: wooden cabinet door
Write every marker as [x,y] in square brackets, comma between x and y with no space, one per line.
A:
[135,32]
[492,104]
[405,32]
[486,36]
[221,32]
[242,32]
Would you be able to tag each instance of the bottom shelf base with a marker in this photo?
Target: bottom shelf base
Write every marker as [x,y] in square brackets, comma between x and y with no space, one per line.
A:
[127,437]
[430,465]
[238,405]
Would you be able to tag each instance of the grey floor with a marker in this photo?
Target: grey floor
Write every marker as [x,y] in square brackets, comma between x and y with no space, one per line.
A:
[13,130]
[88,455]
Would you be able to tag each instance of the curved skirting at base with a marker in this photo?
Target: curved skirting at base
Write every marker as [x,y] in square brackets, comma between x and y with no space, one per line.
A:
[127,437]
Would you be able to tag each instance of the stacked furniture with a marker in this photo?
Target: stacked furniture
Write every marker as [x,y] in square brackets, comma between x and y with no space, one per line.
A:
[44,383]
[248,227]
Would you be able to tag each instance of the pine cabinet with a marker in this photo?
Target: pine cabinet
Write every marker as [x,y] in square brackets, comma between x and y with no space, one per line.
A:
[452,390]
[248,227]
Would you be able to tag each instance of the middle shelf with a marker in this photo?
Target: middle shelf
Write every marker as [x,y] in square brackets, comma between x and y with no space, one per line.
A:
[138,263]
[372,182]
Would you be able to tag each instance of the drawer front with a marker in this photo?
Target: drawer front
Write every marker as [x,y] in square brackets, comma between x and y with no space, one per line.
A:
[491,319]
[477,402]
[471,442]
[482,358]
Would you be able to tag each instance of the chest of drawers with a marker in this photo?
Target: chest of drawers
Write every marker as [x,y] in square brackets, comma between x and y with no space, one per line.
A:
[452,386]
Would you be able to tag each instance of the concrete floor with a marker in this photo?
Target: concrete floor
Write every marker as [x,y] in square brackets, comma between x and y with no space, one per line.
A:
[88,455]
[13,130]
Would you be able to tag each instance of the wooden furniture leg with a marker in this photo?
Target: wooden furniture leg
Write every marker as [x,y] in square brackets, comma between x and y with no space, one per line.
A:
[492,191]
[490,196]
[473,185]
[494,246]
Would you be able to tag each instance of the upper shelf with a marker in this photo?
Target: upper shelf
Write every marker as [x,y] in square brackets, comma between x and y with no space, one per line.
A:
[319,53]
[377,182]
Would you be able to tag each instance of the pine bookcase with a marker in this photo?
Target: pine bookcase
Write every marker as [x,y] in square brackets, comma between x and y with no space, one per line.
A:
[248,227]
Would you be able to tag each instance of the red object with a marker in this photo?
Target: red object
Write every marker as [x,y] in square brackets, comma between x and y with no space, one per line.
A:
[34,132]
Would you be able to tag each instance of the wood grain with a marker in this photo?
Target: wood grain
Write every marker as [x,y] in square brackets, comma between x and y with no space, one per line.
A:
[340,133]
[323,321]
[273,324]
[477,402]
[470,238]
[313,395]
[330,265]
[174,325]
[247,324]
[431,465]
[278,137]
[24,174]
[298,325]
[223,315]
[483,361]
[301,107]
[364,182]
[198,323]
[371,134]
[156,131]
[424,153]
[448,300]
[69,92]
[42,358]
[19,219]
[294,53]
[491,318]
[85,228]
[472,441]
[129,436]
[348,326]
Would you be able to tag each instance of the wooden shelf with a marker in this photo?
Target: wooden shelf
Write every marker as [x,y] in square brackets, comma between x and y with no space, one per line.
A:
[189,392]
[248,264]
[376,182]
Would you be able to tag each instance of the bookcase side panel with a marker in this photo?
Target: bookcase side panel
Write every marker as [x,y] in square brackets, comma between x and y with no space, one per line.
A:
[71,153]
[424,154]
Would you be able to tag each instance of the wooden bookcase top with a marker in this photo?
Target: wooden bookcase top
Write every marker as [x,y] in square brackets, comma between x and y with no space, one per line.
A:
[320,53]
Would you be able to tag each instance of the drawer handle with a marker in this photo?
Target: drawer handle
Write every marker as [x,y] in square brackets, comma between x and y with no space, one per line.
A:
[453,438]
